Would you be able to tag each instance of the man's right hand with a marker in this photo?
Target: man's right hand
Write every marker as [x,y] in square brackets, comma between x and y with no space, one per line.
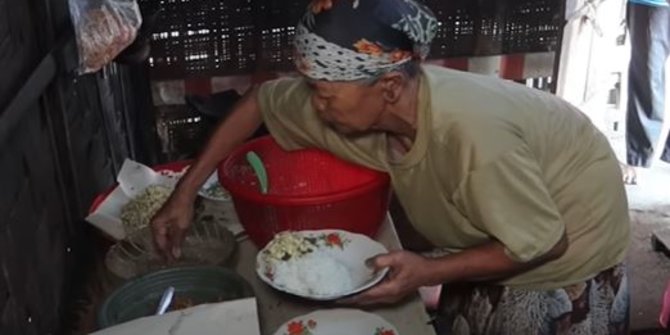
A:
[172,221]
[170,224]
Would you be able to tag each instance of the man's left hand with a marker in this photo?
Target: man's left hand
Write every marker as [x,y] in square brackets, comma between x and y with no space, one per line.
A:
[407,272]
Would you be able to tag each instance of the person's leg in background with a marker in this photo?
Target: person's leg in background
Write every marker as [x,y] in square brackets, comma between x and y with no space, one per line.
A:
[649,28]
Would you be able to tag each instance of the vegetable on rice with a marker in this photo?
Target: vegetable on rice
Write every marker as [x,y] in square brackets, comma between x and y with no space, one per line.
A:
[286,245]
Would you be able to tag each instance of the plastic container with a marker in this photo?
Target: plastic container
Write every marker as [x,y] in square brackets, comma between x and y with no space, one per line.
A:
[308,189]
[207,242]
[201,284]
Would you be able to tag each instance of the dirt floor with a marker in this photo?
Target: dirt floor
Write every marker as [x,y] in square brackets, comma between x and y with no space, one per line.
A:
[649,270]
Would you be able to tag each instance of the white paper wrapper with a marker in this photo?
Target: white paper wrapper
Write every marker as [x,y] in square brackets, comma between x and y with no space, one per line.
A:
[232,317]
[132,179]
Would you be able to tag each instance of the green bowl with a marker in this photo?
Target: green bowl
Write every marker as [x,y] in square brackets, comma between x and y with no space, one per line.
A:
[200,284]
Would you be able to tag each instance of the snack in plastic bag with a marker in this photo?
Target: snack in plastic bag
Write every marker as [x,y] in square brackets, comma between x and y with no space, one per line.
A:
[103,28]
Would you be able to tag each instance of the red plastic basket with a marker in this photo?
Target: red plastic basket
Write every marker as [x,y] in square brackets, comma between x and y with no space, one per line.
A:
[308,189]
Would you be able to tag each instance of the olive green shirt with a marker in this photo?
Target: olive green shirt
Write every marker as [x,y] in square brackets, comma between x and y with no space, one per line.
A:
[492,160]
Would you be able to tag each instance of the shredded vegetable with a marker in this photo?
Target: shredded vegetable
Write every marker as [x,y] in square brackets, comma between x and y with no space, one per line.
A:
[287,245]
[138,212]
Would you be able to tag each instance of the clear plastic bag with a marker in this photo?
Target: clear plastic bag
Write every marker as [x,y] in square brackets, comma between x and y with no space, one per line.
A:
[103,29]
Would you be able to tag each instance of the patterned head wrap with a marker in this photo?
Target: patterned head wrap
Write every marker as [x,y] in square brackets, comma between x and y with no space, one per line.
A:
[347,40]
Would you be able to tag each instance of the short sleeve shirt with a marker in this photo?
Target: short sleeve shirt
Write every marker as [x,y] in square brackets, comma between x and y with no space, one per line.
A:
[492,160]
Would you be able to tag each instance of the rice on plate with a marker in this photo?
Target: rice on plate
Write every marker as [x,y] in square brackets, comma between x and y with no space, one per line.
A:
[319,264]
[315,273]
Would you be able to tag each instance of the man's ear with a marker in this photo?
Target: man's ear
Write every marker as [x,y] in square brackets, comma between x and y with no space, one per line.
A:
[392,86]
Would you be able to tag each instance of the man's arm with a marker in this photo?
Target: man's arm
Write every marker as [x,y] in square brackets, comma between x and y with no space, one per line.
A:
[409,271]
[488,262]
[235,129]
[174,218]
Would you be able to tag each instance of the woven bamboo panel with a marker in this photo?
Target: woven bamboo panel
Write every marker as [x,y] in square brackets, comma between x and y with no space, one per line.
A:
[31,216]
[39,228]
[66,148]
[17,46]
[490,27]
[100,115]
[224,37]
[93,127]
[33,232]
[183,131]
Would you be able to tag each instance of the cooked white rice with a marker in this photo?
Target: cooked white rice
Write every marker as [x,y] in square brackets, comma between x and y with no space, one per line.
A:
[315,273]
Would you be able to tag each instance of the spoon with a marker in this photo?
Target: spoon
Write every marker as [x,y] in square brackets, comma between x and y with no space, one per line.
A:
[257,164]
[166,300]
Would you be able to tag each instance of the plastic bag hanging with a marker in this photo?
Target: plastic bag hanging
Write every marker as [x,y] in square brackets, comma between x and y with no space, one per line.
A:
[103,29]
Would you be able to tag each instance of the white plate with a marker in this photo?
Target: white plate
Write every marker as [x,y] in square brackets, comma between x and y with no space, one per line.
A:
[221,209]
[238,317]
[337,322]
[212,181]
[347,248]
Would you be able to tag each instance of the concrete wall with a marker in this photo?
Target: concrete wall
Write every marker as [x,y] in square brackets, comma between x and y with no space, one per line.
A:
[593,64]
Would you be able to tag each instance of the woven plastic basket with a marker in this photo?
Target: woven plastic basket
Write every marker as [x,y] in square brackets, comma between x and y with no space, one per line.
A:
[308,189]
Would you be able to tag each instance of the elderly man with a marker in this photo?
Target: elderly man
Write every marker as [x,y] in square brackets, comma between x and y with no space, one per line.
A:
[519,187]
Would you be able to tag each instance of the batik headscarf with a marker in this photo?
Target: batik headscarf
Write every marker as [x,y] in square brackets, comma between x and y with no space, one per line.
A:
[347,40]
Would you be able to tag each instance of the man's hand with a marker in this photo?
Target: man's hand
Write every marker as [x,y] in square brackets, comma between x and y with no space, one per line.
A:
[407,272]
[170,224]
[173,220]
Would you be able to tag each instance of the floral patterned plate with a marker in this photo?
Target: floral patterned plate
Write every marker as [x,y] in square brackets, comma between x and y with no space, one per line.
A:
[347,249]
[337,322]
[213,190]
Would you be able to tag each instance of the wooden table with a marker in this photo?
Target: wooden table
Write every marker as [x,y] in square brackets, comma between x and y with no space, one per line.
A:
[275,308]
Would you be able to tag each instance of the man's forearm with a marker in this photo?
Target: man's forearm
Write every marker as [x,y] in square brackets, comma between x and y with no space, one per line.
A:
[235,129]
[486,262]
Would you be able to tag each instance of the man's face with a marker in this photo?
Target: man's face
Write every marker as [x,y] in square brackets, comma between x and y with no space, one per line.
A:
[349,108]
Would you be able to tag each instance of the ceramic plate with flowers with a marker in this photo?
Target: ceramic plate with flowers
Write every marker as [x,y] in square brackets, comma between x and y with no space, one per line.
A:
[213,190]
[319,264]
[337,322]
